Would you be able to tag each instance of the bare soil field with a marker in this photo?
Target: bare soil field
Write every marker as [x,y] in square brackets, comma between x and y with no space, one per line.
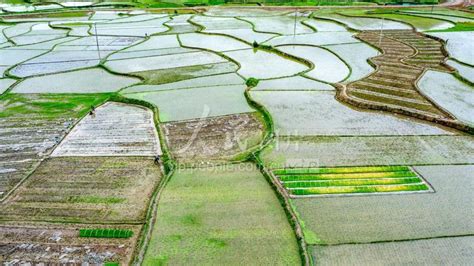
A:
[43,243]
[213,139]
[92,189]
[30,126]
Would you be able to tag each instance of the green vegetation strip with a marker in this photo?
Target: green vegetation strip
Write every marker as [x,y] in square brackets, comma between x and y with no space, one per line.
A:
[358,189]
[347,176]
[105,233]
[357,182]
[339,170]
[342,180]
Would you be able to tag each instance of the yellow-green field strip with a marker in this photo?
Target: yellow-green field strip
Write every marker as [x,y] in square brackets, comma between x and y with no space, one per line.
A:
[350,180]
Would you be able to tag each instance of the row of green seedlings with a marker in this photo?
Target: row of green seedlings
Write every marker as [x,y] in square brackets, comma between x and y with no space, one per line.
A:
[106,233]
[341,180]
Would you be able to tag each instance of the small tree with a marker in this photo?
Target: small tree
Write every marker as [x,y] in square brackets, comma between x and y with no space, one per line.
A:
[251,82]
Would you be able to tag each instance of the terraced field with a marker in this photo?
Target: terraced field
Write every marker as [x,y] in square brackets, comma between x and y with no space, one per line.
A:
[392,87]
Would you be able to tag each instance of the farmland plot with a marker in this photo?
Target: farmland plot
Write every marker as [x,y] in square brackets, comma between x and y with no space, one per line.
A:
[238,12]
[106,15]
[213,139]
[211,42]
[180,24]
[41,243]
[356,56]
[5,84]
[206,81]
[81,81]
[218,23]
[324,25]
[247,35]
[57,61]
[30,127]
[39,33]
[465,71]
[139,29]
[185,104]
[451,94]
[318,38]
[18,29]
[292,83]
[106,43]
[226,215]
[360,23]
[303,113]
[163,62]
[88,189]
[459,45]
[283,25]
[114,130]
[449,250]
[11,57]
[264,65]
[396,217]
[377,150]
[45,46]
[327,66]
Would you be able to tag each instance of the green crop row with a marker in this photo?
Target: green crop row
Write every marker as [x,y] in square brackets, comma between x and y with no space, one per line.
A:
[337,170]
[106,233]
[359,189]
[347,176]
[354,182]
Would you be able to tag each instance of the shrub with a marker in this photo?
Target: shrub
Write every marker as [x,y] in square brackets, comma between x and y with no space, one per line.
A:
[251,82]
[106,233]
[255,44]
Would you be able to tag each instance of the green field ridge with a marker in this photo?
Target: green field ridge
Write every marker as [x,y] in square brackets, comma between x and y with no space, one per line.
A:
[356,182]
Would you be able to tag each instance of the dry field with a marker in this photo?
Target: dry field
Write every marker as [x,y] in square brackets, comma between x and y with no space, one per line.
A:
[213,139]
[54,243]
[30,127]
[87,189]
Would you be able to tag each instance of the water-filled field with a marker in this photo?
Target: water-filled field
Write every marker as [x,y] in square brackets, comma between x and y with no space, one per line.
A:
[145,133]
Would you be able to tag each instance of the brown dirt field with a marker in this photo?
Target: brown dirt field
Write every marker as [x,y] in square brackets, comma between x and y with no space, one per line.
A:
[213,139]
[41,243]
[85,189]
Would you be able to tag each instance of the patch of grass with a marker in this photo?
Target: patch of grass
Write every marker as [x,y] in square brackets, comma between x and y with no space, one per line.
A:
[358,189]
[50,106]
[105,233]
[95,199]
[238,214]
[460,26]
